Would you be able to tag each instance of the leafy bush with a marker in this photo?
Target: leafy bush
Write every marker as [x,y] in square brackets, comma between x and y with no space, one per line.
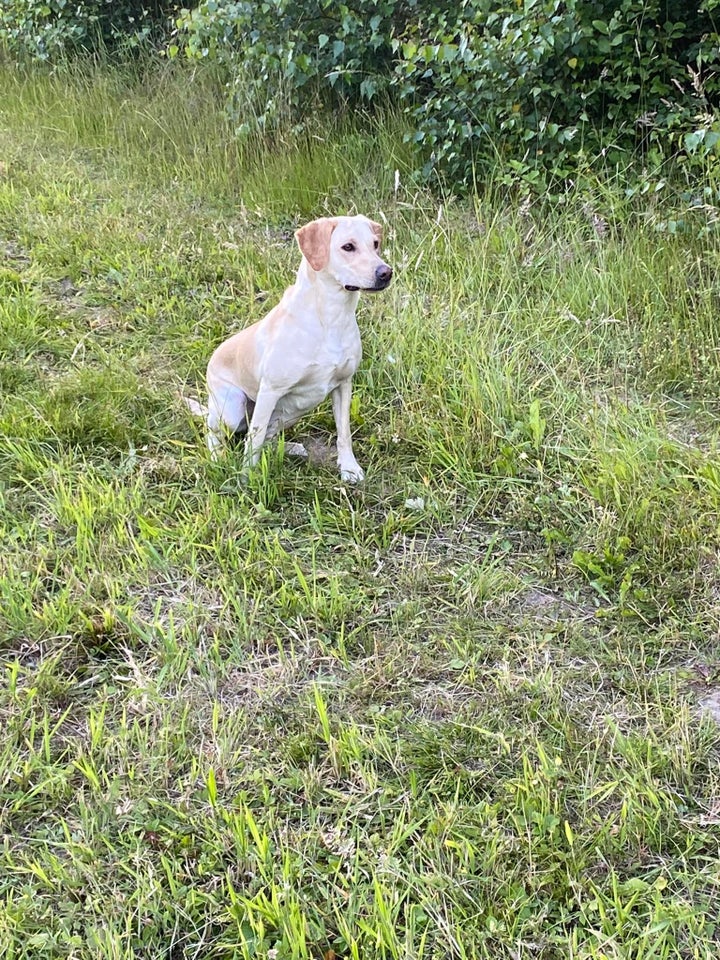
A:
[550,85]
[45,29]
[291,51]
[547,86]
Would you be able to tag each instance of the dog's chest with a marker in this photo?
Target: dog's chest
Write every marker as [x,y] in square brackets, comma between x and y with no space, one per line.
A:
[332,360]
[342,362]
[322,376]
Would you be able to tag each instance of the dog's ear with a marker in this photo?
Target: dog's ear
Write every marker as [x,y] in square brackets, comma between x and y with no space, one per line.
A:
[314,241]
[377,230]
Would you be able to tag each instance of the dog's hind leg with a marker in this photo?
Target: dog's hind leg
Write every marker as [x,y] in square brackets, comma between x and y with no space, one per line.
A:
[227,406]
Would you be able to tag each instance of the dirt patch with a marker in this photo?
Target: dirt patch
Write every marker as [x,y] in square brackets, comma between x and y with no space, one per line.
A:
[688,433]
[320,453]
[710,705]
[546,605]
[9,250]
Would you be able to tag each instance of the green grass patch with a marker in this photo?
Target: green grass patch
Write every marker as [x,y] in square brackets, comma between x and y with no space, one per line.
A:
[452,713]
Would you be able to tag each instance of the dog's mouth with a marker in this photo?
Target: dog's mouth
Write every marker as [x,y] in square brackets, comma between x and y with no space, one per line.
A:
[378,286]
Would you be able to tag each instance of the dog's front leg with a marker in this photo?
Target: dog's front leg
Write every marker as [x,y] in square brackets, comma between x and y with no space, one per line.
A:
[265,404]
[350,469]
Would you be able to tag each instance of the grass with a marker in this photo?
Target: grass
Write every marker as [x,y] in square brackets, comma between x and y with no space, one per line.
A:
[453,713]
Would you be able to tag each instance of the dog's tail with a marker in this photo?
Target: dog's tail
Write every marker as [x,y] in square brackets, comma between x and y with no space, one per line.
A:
[194,406]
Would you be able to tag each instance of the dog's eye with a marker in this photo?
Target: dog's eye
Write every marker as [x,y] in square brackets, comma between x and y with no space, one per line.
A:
[376,244]
[349,247]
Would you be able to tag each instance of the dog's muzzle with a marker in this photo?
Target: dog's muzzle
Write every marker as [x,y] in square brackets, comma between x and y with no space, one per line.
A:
[383,276]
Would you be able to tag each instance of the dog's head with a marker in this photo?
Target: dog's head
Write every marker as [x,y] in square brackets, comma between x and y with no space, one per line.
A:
[346,249]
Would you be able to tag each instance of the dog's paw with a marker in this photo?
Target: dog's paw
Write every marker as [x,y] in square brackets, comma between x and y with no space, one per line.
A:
[352,473]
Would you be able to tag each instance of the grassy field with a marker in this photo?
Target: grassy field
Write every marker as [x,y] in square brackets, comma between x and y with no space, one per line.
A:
[462,711]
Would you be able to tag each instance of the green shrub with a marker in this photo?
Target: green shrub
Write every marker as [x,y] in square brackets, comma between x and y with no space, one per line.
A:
[545,85]
[46,29]
[550,86]
[291,52]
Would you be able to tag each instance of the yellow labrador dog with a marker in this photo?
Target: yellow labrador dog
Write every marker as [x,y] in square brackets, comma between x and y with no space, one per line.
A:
[266,377]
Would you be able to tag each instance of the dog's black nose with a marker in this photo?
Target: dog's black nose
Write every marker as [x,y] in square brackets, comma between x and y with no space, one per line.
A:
[383,274]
